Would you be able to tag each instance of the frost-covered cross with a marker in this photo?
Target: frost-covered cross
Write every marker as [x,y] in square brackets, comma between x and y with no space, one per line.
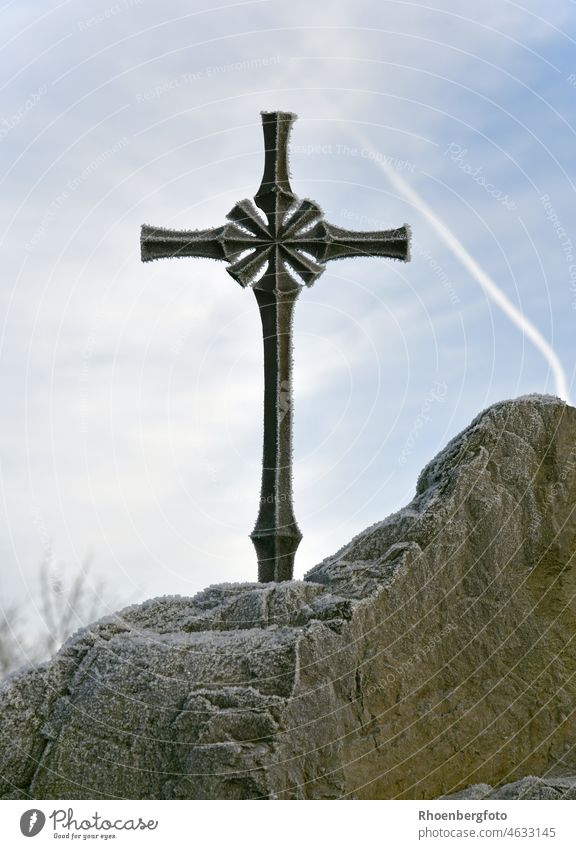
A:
[275,257]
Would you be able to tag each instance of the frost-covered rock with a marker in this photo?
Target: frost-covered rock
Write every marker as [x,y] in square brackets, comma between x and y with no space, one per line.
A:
[435,652]
[531,787]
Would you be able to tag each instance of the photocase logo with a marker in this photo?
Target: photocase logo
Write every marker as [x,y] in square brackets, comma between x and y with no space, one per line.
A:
[32,822]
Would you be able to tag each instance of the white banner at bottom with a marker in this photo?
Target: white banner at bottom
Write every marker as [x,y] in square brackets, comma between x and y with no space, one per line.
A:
[289,824]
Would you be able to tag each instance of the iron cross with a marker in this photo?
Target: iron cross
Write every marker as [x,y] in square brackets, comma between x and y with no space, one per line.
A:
[276,257]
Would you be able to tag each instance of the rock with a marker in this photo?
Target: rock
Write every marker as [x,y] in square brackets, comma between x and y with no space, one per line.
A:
[433,652]
[530,787]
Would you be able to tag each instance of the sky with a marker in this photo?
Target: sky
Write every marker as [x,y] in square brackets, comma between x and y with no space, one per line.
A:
[131,393]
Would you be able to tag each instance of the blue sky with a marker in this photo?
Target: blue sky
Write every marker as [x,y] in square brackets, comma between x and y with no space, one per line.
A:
[132,394]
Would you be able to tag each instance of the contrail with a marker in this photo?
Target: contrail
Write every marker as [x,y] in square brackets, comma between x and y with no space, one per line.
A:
[514,314]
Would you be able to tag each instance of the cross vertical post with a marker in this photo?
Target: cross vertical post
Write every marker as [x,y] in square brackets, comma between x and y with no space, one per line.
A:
[276,535]
[276,256]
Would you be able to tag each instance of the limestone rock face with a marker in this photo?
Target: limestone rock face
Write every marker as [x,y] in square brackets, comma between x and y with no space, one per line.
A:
[434,652]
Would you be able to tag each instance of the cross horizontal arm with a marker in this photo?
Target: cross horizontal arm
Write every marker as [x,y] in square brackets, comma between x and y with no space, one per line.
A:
[326,242]
[226,243]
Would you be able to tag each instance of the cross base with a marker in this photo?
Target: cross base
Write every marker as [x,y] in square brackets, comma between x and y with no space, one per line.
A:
[275,553]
